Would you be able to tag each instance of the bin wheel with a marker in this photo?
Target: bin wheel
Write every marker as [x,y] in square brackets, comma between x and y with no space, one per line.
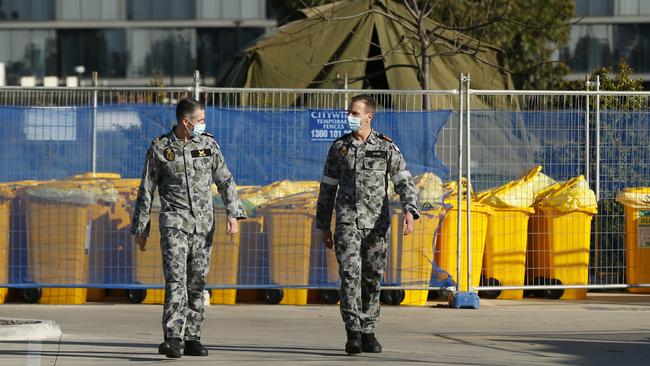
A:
[32,295]
[392,297]
[554,294]
[489,294]
[273,296]
[536,293]
[136,296]
[329,297]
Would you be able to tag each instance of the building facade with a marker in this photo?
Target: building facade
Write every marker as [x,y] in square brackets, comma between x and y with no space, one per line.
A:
[606,32]
[125,40]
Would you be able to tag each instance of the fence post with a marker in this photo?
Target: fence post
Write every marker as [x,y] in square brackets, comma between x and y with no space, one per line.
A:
[94,122]
[459,202]
[587,152]
[196,85]
[597,139]
[469,185]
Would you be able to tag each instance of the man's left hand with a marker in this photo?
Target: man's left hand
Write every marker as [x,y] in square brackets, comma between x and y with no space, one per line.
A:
[408,223]
[232,227]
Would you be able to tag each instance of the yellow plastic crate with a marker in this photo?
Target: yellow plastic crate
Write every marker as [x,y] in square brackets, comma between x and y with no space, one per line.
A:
[155,296]
[411,257]
[505,249]
[558,248]
[67,296]
[447,247]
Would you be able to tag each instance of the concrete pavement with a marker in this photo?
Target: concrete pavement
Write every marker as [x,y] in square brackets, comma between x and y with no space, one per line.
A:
[606,329]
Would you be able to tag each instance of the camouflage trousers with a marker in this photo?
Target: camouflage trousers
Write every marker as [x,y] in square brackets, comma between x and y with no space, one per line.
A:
[361,254]
[186,261]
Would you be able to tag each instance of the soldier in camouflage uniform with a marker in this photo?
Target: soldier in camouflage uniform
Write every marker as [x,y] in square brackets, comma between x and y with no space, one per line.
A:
[183,164]
[359,164]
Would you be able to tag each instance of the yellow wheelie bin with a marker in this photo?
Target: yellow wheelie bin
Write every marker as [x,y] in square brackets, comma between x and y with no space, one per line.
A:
[6,196]
[148,265]
[224,261]
[12,234]
[430,194]
[559,238]
[636,203]
[58,218]
[255,248]
[100,225]
[446,254]
[410,260]
[504,260]
[118,242]
[289,223]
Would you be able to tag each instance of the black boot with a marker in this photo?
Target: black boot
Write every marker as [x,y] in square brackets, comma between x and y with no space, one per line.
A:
[353,345]
[194,348]
[369,343]
[170,348]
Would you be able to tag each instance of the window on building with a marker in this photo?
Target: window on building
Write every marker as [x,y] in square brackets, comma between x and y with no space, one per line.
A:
[160,9]
[225,9]
[604,45]
[28,53]
[219,46]
[91,9]
[26,10]
[101,50]
[594,7]
[590,47]
[632,45]
[171,52]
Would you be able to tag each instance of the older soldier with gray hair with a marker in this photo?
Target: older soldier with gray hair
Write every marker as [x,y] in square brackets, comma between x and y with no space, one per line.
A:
[359,164]
[183,164]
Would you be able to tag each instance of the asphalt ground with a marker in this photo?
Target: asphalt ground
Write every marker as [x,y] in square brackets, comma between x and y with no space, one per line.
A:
[605,329]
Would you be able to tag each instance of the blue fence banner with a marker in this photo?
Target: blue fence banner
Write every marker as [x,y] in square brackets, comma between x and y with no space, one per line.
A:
[327,124]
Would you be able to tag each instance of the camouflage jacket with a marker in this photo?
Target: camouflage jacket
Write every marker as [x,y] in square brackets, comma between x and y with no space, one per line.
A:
[360,172]
[183,173]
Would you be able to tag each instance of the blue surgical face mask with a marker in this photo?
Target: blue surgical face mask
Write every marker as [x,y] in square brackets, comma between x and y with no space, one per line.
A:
[198,129]
[354,123]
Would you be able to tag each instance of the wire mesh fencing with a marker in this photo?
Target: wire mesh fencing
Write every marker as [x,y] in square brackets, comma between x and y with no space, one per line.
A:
[556,182]
[70,228]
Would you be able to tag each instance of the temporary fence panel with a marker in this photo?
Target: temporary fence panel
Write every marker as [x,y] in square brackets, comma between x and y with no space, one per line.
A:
[266,136]
[575,237]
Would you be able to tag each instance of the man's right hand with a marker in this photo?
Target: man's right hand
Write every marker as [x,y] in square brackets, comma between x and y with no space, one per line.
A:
[141,241]
[327,238]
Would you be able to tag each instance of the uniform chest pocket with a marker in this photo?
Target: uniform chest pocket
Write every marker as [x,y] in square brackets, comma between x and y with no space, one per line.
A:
[202,164]
[173,167]
[378,164]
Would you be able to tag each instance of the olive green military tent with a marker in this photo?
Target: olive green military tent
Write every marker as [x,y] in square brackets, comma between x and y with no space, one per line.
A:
[369,42]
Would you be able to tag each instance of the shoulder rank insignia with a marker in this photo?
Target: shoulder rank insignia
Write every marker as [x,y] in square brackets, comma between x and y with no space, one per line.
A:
[384,137]
[169,154]
[212,137]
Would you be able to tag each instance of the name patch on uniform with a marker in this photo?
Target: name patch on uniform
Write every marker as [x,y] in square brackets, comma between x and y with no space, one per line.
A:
[376,154]
[201,153]
[169,154]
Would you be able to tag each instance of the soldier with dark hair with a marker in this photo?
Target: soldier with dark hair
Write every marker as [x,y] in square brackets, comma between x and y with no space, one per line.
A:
[358,166]
[182,164]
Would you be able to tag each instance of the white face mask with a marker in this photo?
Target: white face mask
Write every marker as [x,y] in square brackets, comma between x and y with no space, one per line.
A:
[354,123]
